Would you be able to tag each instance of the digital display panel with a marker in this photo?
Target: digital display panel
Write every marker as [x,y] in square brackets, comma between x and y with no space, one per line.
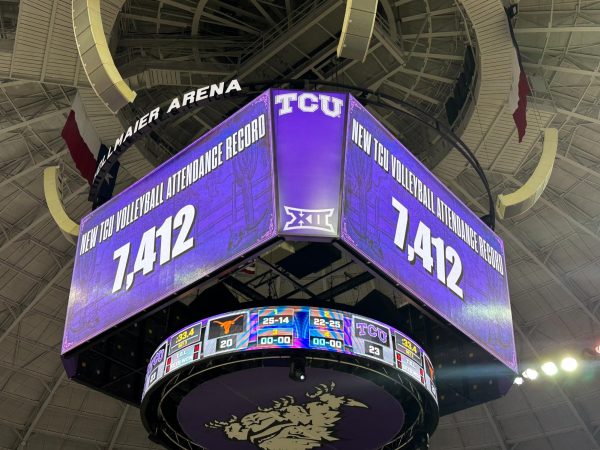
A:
[206,206]
[309,131]
[227,333]
[404,221]
[338,173]
[294,327]
[408,349]
[184,338]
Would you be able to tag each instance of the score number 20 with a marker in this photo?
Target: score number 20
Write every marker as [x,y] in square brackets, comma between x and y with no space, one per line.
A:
[422,247]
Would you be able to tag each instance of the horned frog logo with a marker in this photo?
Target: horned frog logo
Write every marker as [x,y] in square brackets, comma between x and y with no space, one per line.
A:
[290,426]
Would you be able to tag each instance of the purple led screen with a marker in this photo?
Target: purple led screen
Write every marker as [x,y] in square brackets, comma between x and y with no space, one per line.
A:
[290,327]
[206,206]
[309,131]
[409,225]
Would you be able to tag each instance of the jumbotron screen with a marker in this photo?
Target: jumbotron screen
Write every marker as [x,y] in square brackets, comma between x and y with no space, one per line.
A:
[291,327]
[410,226]
[204,207]
[302,166]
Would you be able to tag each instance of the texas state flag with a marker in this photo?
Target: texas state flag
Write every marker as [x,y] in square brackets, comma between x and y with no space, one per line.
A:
[82,140]
[517,98]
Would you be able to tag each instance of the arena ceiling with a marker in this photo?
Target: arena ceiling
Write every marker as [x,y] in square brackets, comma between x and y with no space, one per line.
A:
[163,47]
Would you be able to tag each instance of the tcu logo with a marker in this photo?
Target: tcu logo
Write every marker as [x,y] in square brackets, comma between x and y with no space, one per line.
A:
[157,358]
[371,332]
[309,102]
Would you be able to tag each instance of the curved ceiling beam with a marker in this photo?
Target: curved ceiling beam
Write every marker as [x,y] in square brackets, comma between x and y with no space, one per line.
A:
[488,127]
[391,19]
[526,196]
[53,195]
[95,56]
[196,25]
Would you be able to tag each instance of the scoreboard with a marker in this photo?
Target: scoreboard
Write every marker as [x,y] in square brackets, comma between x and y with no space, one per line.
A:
[297,166]
[292,327]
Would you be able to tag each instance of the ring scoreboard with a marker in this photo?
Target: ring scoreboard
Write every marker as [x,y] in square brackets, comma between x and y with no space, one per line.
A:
[292,327]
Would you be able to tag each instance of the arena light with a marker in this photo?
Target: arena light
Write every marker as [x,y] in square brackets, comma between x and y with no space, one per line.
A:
[519,381]
[569,364]
[530,374]
[298,369]
[549,368]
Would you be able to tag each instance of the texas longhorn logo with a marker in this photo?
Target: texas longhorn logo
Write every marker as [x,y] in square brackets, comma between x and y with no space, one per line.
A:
[290,426]
[226,325]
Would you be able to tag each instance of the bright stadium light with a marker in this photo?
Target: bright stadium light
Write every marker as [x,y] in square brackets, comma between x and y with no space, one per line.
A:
[569,364]
[519,381]
[530,374]
[549,368]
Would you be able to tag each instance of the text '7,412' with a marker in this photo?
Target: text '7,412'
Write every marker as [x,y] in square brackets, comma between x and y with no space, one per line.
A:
[422,248]
[169,248]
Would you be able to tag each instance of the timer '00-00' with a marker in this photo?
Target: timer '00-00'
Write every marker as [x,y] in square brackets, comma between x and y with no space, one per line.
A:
[146,255]
[422,248]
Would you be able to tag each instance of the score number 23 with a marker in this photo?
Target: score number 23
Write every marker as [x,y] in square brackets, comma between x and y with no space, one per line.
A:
[146,254]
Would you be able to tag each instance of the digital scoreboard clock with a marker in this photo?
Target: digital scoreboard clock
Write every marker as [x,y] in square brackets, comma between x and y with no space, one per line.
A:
[293,327]
[229,378]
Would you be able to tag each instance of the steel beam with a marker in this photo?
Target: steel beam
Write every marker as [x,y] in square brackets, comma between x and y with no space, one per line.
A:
[41,410]
[579,116]
[574,410]
[289,36]
[40,219]
[115,435]
[559,29]
[571,70]
[568,217]
[495,427]
[535,259]
[586,428]
[56,278]
[32,168]
[33,120]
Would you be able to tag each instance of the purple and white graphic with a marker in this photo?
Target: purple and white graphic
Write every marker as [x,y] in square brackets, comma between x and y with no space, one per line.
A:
[209,204]
[309,131]
[309,219]
[215,201]
[402,219]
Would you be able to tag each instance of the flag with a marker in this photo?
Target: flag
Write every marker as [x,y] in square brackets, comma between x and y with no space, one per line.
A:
[105,191]
[249,269]
[81,139]
[517,99]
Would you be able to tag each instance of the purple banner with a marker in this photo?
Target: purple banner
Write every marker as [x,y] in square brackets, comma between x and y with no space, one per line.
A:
[211,203]
[410,226]
[309,131]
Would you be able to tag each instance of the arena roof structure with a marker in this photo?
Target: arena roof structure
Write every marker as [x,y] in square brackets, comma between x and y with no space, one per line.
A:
[416,53]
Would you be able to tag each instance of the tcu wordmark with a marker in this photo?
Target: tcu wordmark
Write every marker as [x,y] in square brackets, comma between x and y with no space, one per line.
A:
[309,102]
